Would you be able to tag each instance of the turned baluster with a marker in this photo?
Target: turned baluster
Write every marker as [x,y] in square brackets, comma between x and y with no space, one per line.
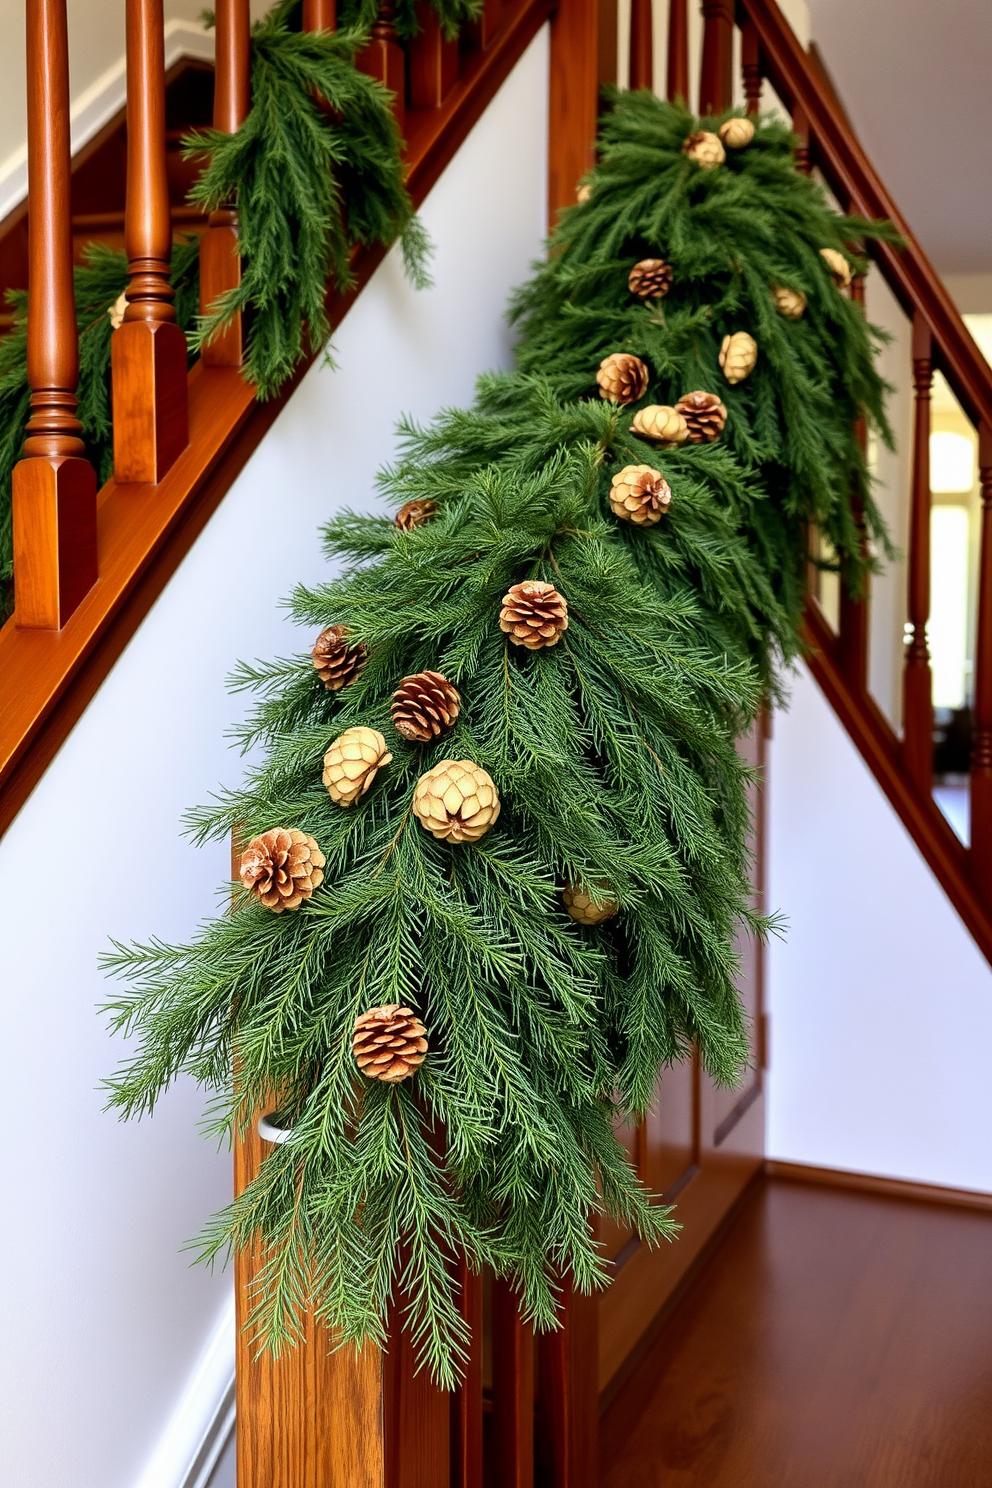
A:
[917,699]
[852,638]
[981,757]
[54,487]
[800,128]
[433,61]
[716,81]
[513,1392]
[148,352]
[320,15]
[467,1412]
[641,45]
[383,58]
[677,71]
[220,260]
[751,66]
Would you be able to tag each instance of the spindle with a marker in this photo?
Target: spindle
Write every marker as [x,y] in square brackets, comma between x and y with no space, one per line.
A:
[677,80]
[917,698]
[220,260]
[716,81]
[981,757]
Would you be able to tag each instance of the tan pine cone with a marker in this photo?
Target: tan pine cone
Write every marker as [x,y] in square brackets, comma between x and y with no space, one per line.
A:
[736,133]
[415,513]
[840,269]
[282,868]
[534,615]
[352,763]
[640,494]
[661,423]
[584,193]
[587,908]
[622,378]
[424,706]
[456,801]
[116,311]
[337,663]
[389,1043]
[705,415]
[790,303]
[738,356]
[651,279]
[705,149]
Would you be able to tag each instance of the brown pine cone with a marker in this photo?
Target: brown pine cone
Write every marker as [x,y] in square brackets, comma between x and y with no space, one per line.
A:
[337,663]
[282,868]
[352,763]
[534,615]
[705,148]
[651,279]
[456,801]
[658,421]
[705,416]
[415,513]
[389,1043]
[587,908]
[640,494]
[622,378]
[424,706]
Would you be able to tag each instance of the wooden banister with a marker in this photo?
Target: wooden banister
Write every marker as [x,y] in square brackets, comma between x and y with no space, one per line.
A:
[148,352]
[54,487]
[716,78]
[383,57]
[220,261]
[981,759]
[677,70]
[917,705]
[641,44]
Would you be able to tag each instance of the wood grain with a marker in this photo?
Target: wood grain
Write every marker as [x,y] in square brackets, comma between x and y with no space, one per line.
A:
[574,84]
[893,1188]
[220,259]
[513,1392]
[716,78]
[567,1446]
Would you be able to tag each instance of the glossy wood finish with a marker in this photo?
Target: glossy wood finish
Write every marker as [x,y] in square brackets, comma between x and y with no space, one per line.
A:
[981,759]
[567,1447]
[513,1392]
[677,66]
[832,1339]
[383,58]
[917,706]
[582,35]
[466,1404]
[220,260]
[433,61]
[751,67]
[716,78]
[872,1183]
[320,15]
[641,44]
[416,1421]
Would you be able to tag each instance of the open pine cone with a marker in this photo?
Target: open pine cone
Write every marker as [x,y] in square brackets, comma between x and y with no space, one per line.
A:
[661,423]
[587,908]
[622,378]
[640,494]
[337,663]
[534,615]
[705,148]
[415,513]
[840,269]
[789,303]
[705,415]
[282,868]
[389,1043]
[456,801]
[651,279]
[352,763]
[738,356]
[424,706]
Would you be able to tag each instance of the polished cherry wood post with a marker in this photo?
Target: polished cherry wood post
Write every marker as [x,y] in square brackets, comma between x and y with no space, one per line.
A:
[433,60]
[800,128]
[54,487]
[981,758]
[513,1392]
[852,639]
[677,69]
[466,1406]
[751,66]
[641,44]
[583,58]
[220,260]
[148,352]
[320,15]
[383,58]
[917,722]
[716,79]
[568,1397]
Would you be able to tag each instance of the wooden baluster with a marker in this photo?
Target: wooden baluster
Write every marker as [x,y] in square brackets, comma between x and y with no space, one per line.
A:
[466,1419]
[220,260]
[716,80]
[148,352]
[800,128]
[416,1421]
[383,58]
[568,1397]
[641,44]
[751,66]
[981,756]
[852,637]
[433,61]
[320,15]
[54,487]
[677,71]
[513,1392]
[917,698]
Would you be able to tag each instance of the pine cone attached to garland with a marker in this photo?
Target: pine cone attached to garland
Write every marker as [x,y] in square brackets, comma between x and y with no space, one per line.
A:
[790,303]
[282,868]
[456,801]
[640,494]
[424,706]
[705,149]
[337,663]
[534,615]
[415,513]
[840,269]
[116,311]
[389,1043]
[661,423]
[651,279]
[736,133]
[738,356]
[622,378]
[586,907]
[705,415]
[583,193]
[352,763]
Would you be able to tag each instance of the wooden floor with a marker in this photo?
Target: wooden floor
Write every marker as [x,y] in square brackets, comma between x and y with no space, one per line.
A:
[834,1340]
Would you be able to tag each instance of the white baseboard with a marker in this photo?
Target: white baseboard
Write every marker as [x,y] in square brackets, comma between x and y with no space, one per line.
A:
[98,104]
[203,1419]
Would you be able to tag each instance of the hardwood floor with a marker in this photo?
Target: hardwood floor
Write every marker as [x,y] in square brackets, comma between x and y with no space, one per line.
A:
[834,1340]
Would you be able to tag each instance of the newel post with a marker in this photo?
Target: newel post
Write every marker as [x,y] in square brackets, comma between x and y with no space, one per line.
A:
[54,487]
[148,351]
[220,259]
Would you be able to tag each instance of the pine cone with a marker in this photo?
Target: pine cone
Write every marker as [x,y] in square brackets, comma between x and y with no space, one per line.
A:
[415,513]
[337,663]
[534,615]
[840,269]
[705,416]
[791,303]
[116,311]
[661,423]
[352,763]
[456,801]
[736,133]
[584,193]
[640,494]
[738,355]
[389,1043]
[587,908]
[705,149]
[651,279]
[622,378]
[282,868]
[424,706]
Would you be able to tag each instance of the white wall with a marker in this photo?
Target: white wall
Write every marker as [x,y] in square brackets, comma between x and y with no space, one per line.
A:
[104,1323]
[880,1002]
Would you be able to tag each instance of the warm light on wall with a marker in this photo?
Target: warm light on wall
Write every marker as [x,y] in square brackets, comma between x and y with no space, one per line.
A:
[952,462]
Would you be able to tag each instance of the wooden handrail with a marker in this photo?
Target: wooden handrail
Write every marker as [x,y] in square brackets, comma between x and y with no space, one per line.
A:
[220,260]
